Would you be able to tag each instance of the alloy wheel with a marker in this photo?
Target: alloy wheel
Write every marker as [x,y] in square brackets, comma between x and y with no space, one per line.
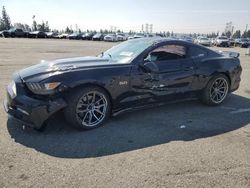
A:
[91,109]
[219,90]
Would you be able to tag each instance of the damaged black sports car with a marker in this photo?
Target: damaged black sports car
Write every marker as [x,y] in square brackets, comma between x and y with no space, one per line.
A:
[132,75]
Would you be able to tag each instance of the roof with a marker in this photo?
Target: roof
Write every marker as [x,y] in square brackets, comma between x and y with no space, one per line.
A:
[160,39]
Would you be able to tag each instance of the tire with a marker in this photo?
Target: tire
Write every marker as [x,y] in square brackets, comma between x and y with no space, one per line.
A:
[212,96]
[42,128]
[86,105]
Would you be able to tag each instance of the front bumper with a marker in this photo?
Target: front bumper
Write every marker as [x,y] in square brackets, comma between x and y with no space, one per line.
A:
[32,112]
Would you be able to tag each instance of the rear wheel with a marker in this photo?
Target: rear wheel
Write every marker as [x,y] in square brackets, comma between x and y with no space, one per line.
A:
[216,90]
[88,108]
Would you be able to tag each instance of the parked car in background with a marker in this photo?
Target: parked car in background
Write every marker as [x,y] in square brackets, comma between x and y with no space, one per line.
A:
[213,40]
[133,75]
[110,38]
[130,37]
[187,39]
[139,35]
[153,35]
[121,37]
[222,41]
[87,36]
[231,42]
[203,41]
[75,36]
[242,42]
[63,36]
[15,32]
[52,35]
[5,33]
[37,34]
[98,37]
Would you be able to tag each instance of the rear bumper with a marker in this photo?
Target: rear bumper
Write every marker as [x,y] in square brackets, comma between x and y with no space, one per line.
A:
[235,79]
[32,112]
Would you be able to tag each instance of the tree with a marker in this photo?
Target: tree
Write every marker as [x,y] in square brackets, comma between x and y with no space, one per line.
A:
[228,34]
[27,27]
[1,24]
[5,21]
[212,35]
[41,27]
[68,30]
[237,34]
[34,25]
[246,34]
[19,25]
[46,27]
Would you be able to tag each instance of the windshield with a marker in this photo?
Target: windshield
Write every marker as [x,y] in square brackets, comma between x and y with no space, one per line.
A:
[125,52]
[244,40]
[139,34]
[121,34]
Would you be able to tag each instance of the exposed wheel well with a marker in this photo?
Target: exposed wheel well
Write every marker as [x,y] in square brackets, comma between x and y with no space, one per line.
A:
[217,73]
[228,77]
[223,73]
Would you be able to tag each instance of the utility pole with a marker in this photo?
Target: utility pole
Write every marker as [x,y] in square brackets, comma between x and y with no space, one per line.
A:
[232,31]
[151,28]
[146,28]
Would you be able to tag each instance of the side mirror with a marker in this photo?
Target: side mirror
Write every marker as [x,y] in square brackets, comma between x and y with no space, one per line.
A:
[150,67]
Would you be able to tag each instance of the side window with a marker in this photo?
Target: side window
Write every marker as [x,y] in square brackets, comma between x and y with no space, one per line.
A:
[195,52]
[167,52]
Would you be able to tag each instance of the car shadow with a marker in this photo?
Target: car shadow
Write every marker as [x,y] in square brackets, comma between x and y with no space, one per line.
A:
[184,121]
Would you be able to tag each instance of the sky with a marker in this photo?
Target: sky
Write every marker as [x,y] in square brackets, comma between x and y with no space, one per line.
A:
[180,16]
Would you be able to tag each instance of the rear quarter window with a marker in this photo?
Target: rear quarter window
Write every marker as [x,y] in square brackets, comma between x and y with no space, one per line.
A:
[196,52]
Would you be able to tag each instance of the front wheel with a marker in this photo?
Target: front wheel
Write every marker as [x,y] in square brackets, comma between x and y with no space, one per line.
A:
[216,90]
[88,108]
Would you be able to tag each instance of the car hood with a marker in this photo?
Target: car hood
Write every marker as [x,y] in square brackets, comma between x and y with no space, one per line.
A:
[62,65]
[205,41]
[222,40]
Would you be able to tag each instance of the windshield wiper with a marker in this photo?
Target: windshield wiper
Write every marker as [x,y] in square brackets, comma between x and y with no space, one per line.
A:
[102,54]
[110,56]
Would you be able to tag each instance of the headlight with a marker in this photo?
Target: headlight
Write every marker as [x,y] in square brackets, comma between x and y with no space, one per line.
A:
[43,88]
[12,86]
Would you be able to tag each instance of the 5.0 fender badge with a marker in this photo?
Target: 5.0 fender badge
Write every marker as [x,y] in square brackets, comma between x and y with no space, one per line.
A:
[121,83]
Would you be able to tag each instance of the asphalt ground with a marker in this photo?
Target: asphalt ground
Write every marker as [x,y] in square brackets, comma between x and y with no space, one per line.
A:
[185,144]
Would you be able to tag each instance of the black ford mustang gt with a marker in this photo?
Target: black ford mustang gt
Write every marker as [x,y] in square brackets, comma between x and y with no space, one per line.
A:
[132,75]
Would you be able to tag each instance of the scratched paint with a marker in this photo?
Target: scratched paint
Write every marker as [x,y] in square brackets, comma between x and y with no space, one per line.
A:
[241,110]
